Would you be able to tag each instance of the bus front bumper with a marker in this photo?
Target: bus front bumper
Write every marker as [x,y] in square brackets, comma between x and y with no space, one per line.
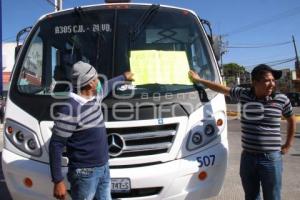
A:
[197,176]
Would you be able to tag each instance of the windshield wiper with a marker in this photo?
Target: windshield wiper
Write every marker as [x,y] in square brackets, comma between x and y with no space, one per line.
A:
[142,22]
[100,35]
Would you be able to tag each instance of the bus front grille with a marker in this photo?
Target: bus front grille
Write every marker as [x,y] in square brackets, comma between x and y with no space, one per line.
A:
[141,141]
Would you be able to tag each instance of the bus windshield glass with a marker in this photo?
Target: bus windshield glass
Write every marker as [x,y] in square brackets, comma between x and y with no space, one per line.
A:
[158,44]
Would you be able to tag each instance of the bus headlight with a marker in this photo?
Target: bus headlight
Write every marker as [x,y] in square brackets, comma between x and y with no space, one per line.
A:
[209,130]
[31,144]
[197,138]
[22,137]
[206,131]
[200,135]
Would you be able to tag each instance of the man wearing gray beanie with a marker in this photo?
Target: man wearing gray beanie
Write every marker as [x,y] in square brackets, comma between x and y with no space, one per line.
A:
[82,74]
[79,126]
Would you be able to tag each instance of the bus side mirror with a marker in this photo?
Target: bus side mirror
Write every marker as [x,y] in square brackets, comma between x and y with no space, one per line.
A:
[19,35]
[215,41]
[17,49]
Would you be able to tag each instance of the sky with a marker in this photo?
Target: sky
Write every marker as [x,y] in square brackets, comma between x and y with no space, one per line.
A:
[253,31]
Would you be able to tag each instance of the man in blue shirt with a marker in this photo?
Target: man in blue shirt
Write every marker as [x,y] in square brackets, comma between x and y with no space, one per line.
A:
[79,126]
[261,111]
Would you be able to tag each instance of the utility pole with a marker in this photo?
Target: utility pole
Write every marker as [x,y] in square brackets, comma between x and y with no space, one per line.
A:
[223,50]
[297,68]
[221,54]
[58,5]
[297,64]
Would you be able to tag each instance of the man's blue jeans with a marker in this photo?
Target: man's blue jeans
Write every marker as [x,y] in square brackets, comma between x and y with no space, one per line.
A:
[264,169]
[90,183]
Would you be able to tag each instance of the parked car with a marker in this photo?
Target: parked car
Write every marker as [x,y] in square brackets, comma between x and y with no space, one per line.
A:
[294,98]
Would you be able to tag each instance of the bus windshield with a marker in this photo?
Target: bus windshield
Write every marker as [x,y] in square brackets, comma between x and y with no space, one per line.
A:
[157,43]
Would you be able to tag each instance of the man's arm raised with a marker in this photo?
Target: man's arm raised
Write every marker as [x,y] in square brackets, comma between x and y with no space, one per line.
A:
[211,85]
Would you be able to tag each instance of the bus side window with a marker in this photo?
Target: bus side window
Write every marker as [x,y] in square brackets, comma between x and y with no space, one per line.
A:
[30,79]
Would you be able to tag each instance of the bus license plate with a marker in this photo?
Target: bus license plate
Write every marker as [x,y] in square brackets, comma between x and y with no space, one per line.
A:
[120,185]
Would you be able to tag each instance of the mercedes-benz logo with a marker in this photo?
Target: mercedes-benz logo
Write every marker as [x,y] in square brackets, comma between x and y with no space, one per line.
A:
[116,144]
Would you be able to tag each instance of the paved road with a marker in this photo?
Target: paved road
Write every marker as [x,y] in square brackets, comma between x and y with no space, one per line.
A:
[234,107]
[232,189]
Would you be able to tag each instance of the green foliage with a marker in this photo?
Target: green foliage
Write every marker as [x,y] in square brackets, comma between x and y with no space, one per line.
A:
[231,72]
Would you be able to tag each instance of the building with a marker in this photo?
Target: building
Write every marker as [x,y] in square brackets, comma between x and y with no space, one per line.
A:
[284,84]
[8,60]
[296,80]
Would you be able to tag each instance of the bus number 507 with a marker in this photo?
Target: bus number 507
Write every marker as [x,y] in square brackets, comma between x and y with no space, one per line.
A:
[206,160]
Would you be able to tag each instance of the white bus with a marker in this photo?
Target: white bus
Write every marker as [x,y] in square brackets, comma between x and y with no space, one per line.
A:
[167,137]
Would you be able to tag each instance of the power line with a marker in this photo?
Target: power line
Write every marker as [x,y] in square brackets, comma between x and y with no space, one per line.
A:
[13,38]
[280,16]
[273,63]
[50,2]
[53,4]
[258,46]
[40,4]
[283,62]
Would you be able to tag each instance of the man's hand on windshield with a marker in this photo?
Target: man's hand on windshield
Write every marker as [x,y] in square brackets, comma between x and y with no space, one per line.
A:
[194,76]
[128,76]
[211,85]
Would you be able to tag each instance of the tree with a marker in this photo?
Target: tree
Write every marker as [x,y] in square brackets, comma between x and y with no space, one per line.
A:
[232,71]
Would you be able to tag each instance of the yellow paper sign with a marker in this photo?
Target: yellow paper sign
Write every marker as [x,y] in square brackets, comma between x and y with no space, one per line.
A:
[161,67]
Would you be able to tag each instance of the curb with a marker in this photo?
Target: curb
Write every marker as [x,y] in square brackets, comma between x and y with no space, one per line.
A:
[235,114]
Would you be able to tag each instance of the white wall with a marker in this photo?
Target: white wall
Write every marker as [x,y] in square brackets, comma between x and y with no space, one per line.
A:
[8,56]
